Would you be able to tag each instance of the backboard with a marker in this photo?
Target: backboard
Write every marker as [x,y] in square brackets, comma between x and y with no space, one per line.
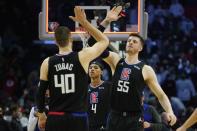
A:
[56,12]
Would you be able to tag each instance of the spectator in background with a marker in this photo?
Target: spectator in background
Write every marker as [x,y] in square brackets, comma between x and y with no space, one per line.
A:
[4,125]
[152,120]
[186,25]
[10,83]
[185,89]
[23,117]
[169,86]
[16,114]
[150,9]
[161,75]
[176,8]
[177,106]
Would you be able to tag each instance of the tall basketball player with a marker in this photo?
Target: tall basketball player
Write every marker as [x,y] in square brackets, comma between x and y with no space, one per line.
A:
[130,76]
[65,75]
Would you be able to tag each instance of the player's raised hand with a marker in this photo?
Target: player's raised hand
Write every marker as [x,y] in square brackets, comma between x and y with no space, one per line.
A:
[80,15]
[114,14]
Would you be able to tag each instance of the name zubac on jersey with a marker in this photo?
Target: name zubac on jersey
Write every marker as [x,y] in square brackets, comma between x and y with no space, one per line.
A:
[63,66]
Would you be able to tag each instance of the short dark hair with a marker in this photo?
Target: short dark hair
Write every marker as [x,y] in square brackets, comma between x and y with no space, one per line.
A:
[137,35]
[62,34]
[97,63]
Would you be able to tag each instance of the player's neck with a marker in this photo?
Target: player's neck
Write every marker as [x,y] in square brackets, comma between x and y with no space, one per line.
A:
[64,50]
[96,81]
[132,59]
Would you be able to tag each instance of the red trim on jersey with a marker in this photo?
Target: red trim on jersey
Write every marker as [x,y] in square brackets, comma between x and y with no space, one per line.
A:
[56,113]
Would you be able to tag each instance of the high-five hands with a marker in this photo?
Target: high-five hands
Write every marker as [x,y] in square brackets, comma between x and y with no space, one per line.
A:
[114,14]
[80,15]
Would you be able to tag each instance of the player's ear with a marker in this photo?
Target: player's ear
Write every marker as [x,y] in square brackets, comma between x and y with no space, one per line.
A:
[70,42]
[101,72]
[56,43]
[70,39]
[140,49]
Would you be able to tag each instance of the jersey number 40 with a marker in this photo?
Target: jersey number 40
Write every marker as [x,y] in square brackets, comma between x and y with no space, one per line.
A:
[66,82]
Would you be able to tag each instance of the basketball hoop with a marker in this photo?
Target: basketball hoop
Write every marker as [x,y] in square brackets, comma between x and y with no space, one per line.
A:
[84,35]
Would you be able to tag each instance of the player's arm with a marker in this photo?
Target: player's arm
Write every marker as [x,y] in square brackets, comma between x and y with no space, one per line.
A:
[151,79]
[189,122]
[40,96]
[88,54]
[111,58]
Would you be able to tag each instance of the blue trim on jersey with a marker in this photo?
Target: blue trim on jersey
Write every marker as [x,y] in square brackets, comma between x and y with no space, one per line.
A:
[132,64]
[108,117]
[82,115]
[96,86]
[64,54]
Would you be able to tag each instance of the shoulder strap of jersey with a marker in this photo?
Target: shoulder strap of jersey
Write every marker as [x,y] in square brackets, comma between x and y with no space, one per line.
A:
[141,64]
[121,60]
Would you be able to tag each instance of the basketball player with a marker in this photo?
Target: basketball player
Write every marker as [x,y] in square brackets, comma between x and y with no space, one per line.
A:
[189,122]
[65,75]
[99,98]
[130,76]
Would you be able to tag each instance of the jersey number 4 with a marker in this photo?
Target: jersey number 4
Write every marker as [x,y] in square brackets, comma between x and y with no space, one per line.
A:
[94,108]
[66,82]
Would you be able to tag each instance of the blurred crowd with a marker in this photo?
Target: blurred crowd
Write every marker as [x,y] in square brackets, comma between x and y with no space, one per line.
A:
[171,49]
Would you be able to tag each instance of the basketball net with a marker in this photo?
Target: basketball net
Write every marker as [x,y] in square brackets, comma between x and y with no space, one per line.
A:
[84,35]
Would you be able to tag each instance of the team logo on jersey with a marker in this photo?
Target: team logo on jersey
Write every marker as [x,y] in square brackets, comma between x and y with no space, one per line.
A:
[101,87]
[125,74]
[93,97]
[137,67]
